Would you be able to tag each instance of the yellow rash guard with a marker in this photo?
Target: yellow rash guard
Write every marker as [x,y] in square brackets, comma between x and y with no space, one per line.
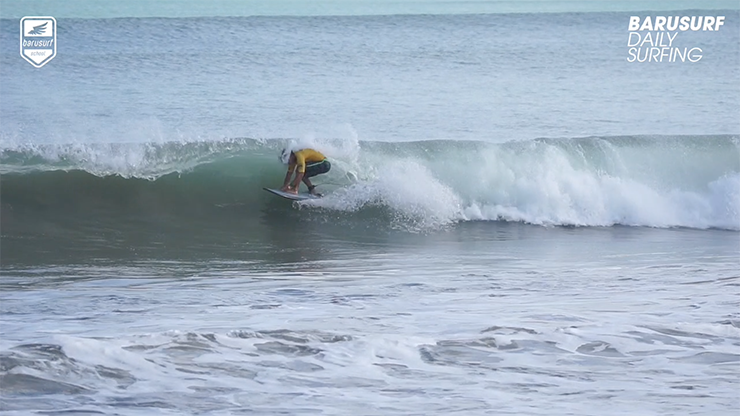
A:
[305,156]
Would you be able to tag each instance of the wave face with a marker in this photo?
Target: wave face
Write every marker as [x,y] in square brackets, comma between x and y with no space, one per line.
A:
[684,181]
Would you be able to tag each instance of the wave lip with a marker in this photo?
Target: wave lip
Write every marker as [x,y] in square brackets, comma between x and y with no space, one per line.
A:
[683,181]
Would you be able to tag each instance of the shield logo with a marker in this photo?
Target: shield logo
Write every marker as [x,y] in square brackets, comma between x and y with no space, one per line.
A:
[38,39]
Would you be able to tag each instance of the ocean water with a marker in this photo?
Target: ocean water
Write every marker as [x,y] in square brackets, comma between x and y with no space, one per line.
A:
[517,221]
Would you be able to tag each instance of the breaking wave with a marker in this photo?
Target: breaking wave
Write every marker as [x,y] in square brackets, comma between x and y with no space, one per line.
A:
[653,181]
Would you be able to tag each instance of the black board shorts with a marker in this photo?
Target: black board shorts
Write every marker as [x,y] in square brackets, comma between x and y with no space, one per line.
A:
[317,168]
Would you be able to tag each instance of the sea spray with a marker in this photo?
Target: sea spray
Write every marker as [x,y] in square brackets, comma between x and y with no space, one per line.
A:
[684,181]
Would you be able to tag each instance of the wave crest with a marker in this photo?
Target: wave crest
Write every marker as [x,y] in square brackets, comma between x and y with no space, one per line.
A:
[685,181]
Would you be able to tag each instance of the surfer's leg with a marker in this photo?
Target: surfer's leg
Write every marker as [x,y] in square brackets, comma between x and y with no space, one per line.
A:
[313,170]
[311,187]
[317,168]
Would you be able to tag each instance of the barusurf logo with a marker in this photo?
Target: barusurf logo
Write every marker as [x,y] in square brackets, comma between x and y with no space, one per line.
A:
[38,39]
[653,39]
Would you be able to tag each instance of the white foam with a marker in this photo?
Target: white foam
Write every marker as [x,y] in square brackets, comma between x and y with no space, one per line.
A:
[405,186]
[665,182]
[547,184]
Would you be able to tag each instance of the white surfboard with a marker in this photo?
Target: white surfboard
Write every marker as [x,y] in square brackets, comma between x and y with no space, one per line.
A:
[300,197]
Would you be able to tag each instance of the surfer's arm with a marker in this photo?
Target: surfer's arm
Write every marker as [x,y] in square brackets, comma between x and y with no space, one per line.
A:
[300,167]
[291,168]
[297,180]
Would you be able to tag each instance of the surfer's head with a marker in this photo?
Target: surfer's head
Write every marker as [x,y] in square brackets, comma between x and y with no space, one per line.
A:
[285,156]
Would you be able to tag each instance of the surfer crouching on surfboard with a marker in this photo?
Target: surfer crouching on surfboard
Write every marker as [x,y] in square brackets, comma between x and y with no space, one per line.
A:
[309,162]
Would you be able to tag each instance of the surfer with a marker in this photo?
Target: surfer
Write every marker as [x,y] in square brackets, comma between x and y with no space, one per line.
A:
[309,163]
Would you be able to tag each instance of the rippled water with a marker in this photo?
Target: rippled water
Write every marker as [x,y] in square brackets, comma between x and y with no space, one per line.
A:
[145,272]
[476,320]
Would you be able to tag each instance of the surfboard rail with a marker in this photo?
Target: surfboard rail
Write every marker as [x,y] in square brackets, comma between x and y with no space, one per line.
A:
[302,196]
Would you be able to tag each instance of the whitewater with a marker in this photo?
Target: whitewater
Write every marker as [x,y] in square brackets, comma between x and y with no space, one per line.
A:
[636,181]
[518,220]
